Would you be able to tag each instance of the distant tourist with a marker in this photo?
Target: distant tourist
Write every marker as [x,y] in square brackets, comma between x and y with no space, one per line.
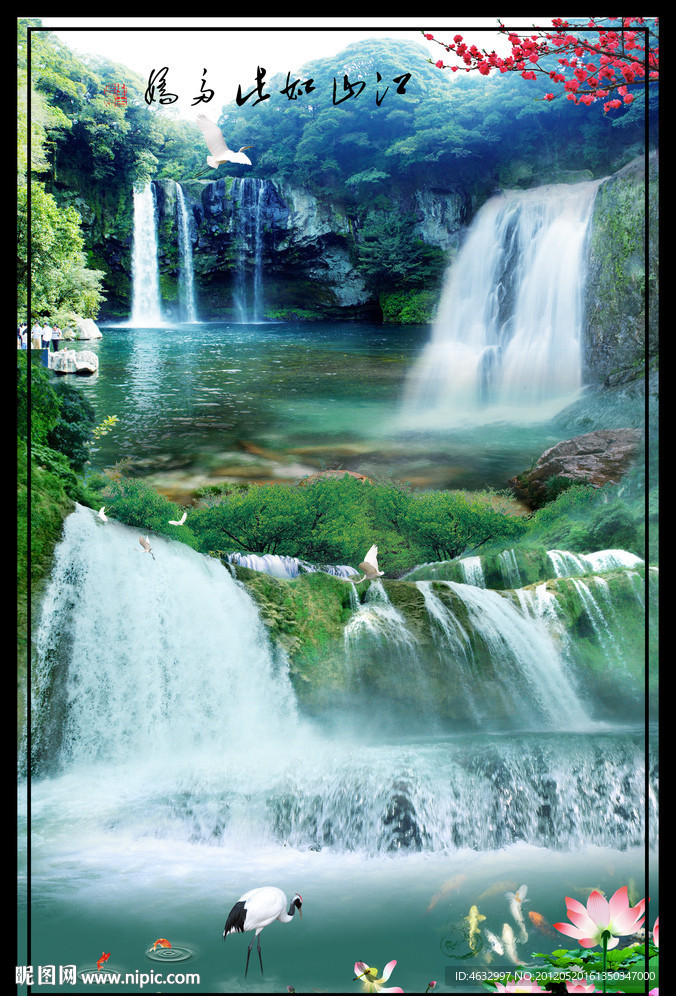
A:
[46,336]
[36,336]
[56,335]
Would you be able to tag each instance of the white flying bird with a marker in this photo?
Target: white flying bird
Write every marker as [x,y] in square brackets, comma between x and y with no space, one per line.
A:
[178,522]
[102,514]
[369,566]
[220,153]
[145,543]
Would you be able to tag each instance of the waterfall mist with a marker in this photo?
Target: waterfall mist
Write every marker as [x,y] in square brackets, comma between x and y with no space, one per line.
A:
[507,338]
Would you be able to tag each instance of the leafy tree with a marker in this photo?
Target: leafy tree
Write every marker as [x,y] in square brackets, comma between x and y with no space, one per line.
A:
[72,432]
[37,412]
[447,524]
[388,255]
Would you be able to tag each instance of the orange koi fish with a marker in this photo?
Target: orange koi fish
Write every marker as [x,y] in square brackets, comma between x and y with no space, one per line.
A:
[104,957]
[541,924]
[161,942]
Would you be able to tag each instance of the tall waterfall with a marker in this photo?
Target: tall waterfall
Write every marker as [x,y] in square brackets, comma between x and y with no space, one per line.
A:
[507,338]
[187,281]
[248,194]
[142,679]
[146,300]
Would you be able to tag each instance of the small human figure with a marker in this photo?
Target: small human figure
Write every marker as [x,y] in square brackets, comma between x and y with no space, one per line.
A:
[36,336]
[56,336]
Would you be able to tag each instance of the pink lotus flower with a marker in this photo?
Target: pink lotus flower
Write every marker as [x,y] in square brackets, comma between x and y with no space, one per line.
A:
[522,985]
[581,987]
[371,983]
[656,933]
[588,924]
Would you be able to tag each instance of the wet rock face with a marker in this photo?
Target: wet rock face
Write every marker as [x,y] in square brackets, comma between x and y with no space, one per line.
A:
[621,296]
[596,458]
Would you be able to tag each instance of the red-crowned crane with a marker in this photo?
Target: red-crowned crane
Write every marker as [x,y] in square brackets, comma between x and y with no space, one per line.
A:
[255,910]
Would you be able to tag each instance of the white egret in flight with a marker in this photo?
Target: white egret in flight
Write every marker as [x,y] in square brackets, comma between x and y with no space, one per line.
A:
[220,153]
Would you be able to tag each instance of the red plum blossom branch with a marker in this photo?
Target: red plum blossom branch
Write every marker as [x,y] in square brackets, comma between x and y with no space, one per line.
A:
[587,62]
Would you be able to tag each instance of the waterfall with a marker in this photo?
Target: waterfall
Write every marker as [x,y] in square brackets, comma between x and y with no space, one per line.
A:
[146,301]
[566,563]
[248,195]
[473,571]
[509,568]
[507,336]
[287,567]
[161,711]
[187,282]
[529,667]
[141,678]
[380,650]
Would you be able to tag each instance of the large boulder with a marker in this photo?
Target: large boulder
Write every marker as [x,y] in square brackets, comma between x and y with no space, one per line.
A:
[596,458]
[86,328]
[66,361]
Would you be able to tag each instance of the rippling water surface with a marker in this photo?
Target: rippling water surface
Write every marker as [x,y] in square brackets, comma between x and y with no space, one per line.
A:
[276,401]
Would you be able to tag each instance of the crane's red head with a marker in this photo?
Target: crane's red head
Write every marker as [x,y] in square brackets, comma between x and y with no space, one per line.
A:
[298,902]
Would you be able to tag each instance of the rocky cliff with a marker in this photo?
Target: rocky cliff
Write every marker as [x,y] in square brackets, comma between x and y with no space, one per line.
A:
[621,308]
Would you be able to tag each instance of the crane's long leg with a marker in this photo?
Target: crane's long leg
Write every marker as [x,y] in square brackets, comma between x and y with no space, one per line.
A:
[248,952]
[259,953]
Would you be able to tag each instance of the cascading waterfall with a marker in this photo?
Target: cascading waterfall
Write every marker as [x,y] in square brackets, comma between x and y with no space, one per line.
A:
[565,564]
[187,281]
[146,300]
[510,569]
[379,644]
[162,710]
[248,194]
[472,570]
[507,336]
[280,566]
[531,670]
[140,680]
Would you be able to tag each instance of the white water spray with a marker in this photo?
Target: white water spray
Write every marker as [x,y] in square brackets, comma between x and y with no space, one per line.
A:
[507,337]
[143,679]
